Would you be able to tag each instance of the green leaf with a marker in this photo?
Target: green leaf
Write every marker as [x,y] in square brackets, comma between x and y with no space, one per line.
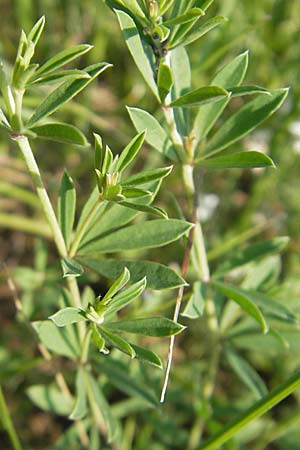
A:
[158,276]
[244,300]
[62,58]
[104,408]
[99,340]
[252,413]
[3,120]
[71,268]
[241,160]
[122,280]
[147,356]
[154,233]
[135,47]
[252,252]
[154,326]
[203,95]
[164,80]
[64,93]
[187,17]
[56,339]
[98,151]
[36,31]
[146,176]
[79,410]
[238,91]
[50,398]
[60,132]
[232,74]
[125,297]
[67,316]
[145,208]
[66,207]
[245,120]
[247,374]
[200,31]
[119,375]
[156,135]
[130,151]
[130,192]
[118,342]
[59,77]
[195,306]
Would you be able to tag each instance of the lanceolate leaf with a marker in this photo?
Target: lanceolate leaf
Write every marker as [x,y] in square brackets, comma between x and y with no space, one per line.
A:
[244,300]
[36,31]
[122,280]
[200,31]
[130,152]
[195,305]
[154,233]
[67,316]
[206,94]
[62,58]
[232,74]
[187,17]
[158,276]
[50,398]
[65,92]
[243,160]
[245,120]
[127,296]
[134,44]
[146,176]
[156,135]
[164,80]
[57,339]
[247,374]
[66,207]
[157,326]
[145,208]
[61,76]
[60,132]
[79,410]
[71,268]
[238,91]
[118,342]
[146,355]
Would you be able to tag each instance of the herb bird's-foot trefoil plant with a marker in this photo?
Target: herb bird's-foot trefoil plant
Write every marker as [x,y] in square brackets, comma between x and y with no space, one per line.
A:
[228,296]
[85,324]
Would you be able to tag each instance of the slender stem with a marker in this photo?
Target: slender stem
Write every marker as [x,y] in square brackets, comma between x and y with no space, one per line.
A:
[255,411]
[81,231]
[8,423]
[32,166]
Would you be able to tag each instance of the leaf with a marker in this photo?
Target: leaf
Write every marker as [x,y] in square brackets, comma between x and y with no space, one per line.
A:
[195,306]
[122,280]
[158,276]
[203,95]
[232,74]
[252,252]
[252,413]
[241,160]
[146,176]
[147,356]
[237,91]
[99,340]
[125,297]
[62,58]
[198,32]
[36,31]
[136,49]
[154,233]
[3,120]
[60,132]
[154,326]
[187,17]
[67,316]
[130,151]
[164,80]
[104,408]
[243,299]
[156,135]
[118,342]
[50,398]
[56,339]
[247,374]
[64,93]
[145,208]
[79,410]
[58,77]
[66,207]
[119,375]
[245,120]
[71,268]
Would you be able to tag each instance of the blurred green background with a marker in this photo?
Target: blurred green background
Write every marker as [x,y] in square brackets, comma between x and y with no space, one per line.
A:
[271,30]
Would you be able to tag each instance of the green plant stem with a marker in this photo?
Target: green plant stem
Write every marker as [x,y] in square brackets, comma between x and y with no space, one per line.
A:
[8,423]
[255,411]
[81,231]
[32,166]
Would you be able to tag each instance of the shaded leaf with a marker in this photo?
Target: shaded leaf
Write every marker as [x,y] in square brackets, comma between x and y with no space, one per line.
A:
[71,268]
[147,356]
[50,398]
[206,94]
[56,339]
[61,76]
[145,208]
[60,132]
[195,306]
[125,297]
[154,326]
[67,316]
[116,286]
[66,207]
[118,342]
[241,160]
[79,410]
[164,80]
